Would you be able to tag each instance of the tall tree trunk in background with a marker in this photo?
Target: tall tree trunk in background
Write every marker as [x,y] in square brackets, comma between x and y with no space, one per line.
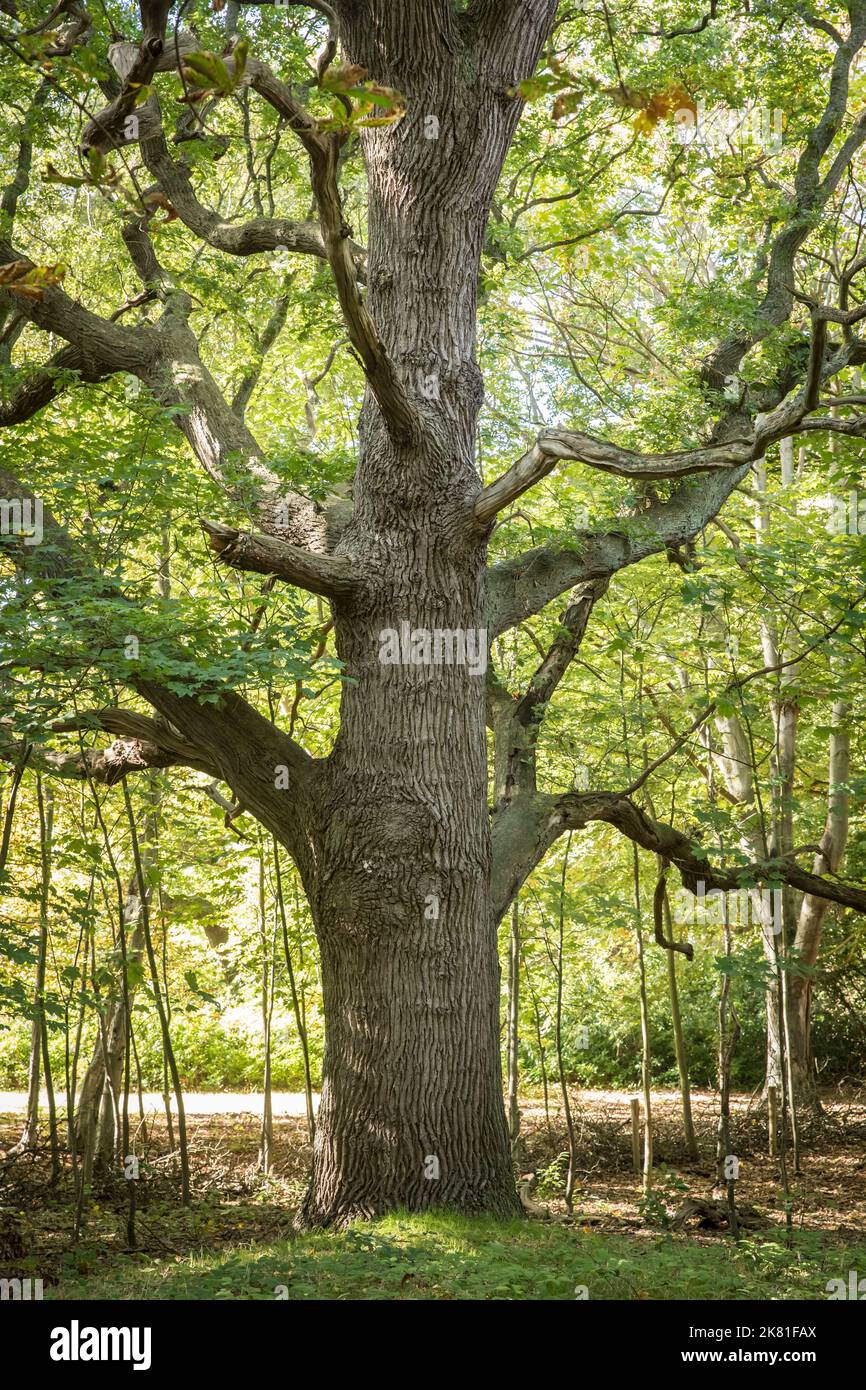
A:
[735,762]
[679,1039]
[46,834]
[95,1111]
[412,1109]
[563,1082]
[645,1036]
[297,997]
[788,1001]
[802,930]
[9,817]
[785,714]
[540,1044]
[727,1163]
[266,1141]
[160,992]
[38,1031]
[813,911]
[513,1026]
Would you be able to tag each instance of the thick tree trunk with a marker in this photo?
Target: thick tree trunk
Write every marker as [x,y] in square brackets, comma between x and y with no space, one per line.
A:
[412,1111]
[412,1108]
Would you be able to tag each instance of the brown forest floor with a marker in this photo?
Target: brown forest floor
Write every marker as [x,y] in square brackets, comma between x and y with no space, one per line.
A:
[232,1204]
[829,1194]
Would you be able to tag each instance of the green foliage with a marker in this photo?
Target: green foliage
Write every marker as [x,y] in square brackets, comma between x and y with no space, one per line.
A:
[658,1205]
[615,257]
[442,1257]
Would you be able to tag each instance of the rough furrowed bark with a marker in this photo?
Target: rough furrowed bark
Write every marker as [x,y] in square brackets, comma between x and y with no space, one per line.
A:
[412,1111]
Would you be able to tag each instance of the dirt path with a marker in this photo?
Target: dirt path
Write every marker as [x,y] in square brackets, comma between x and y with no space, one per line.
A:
[194,1102]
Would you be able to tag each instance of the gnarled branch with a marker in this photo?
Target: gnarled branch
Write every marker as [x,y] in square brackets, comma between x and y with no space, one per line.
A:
[524,831]
[330,575]
[552,446]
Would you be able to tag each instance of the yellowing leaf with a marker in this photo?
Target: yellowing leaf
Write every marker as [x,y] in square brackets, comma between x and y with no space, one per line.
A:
[343,76]
[30,281]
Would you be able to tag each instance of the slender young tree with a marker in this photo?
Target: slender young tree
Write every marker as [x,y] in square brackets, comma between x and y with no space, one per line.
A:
[513,1027]
[39,1058]
[680,1046]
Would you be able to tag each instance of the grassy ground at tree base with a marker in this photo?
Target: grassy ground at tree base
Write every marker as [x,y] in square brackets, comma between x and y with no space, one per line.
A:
[443,1256]
[234,1241]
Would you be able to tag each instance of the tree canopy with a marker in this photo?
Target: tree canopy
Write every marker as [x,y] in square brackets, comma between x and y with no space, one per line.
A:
[547,316]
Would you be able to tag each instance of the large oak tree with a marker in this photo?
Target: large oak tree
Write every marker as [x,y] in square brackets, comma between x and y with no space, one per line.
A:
[409,852]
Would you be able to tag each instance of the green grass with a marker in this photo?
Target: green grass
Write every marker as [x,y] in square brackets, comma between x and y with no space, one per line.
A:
[444,1256]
